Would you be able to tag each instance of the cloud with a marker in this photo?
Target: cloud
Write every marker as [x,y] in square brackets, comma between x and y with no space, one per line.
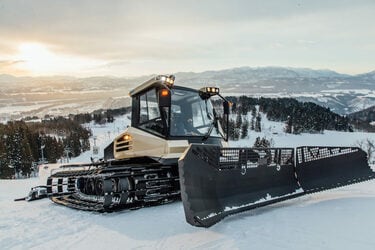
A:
[10,67]
[174,33]
[6,63]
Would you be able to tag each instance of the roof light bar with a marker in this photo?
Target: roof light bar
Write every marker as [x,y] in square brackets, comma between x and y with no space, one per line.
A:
[207,92]
[167,80]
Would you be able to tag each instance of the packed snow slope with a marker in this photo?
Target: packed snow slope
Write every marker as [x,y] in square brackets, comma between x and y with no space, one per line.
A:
[342,218]
[338,219]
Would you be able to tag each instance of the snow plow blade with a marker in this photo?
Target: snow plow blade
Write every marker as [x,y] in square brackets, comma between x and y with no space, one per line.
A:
[217,182]
[322,168]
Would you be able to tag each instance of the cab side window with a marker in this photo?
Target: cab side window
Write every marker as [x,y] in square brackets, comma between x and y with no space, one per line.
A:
[149,117]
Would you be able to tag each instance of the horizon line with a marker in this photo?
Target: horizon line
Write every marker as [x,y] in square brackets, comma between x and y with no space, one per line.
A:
[180,72]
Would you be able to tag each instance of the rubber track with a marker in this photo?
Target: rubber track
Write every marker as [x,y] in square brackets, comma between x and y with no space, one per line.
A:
[162,187]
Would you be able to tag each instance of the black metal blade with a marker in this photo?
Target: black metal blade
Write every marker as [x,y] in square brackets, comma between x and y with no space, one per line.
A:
[321,168]
[217,182]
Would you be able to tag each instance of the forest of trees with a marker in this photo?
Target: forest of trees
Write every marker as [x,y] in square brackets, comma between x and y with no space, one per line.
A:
[298,116]
[364,119]
[100,116]
[22,143]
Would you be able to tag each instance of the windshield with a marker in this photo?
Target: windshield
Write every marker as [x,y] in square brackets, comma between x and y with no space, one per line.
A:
[190,115]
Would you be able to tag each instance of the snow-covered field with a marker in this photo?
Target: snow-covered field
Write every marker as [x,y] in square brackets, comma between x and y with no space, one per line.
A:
[337,219]
[274,131]
[342,218]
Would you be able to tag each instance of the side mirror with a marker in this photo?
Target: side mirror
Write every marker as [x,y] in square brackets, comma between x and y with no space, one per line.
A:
[226,107]
[164,98]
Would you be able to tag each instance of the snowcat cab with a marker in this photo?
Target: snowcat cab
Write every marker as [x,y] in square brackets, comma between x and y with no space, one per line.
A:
[166,119]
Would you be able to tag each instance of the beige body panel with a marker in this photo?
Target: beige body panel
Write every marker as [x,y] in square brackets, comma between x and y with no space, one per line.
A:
[46,170]
[137,143]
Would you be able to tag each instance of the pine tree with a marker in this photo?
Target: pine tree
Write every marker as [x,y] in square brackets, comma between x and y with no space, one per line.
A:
[253,112]
[5,171]
[234,107]
[262,143]
[289,125]
[19,153]
[244,129]
[233,131]
[258,126]
[238,121]
[257,142]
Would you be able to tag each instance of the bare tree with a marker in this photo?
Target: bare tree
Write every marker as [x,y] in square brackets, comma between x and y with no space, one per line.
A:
[368,146]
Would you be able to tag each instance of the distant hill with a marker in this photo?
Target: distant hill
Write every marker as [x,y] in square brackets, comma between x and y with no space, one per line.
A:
[367,115]
[370,76]
[279,79]
[341,93]
[364,119]
[255,79]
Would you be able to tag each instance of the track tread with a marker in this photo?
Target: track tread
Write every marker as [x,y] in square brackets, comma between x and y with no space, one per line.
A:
[146,185]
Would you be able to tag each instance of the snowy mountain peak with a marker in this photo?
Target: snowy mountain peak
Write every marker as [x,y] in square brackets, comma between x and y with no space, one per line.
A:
[270,72]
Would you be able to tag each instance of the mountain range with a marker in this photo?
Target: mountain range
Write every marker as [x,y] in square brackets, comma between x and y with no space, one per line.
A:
[342,93]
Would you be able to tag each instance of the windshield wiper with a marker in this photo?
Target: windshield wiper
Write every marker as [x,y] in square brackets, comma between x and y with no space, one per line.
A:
[205,137]
[213,123]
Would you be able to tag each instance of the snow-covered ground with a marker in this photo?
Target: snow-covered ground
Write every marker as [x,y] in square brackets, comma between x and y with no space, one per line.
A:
[337,219]
[274,131]
[342,218]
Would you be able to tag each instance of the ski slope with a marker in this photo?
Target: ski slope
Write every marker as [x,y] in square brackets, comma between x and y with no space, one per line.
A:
[337,219]
[342,218]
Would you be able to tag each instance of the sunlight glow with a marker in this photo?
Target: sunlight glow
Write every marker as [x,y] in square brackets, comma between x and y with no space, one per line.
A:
[36,57]
[39,59]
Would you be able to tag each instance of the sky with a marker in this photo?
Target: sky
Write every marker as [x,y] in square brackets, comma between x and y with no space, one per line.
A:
[129,38]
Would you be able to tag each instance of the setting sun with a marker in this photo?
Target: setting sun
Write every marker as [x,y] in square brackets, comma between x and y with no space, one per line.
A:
[36,58]
[40,59]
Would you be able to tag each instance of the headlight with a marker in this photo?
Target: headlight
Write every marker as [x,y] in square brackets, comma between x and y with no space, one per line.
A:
[167,80]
